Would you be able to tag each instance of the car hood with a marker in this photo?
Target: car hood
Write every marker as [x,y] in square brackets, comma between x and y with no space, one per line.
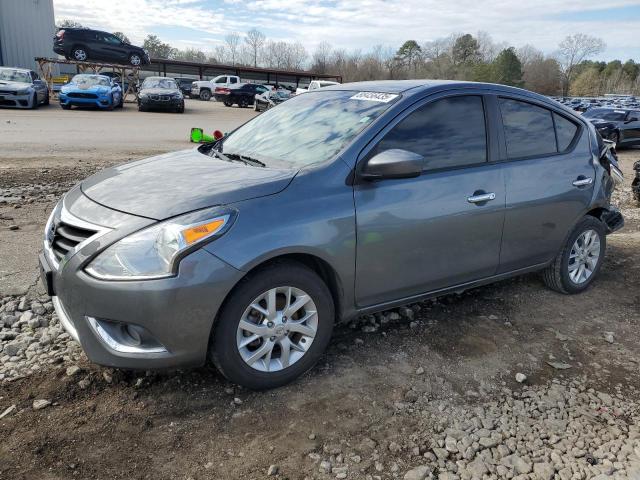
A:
[85,88]
[14,85]
[159,91]
[168,185]
[600,121]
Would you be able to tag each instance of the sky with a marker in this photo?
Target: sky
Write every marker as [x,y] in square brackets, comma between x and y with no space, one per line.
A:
[361,24]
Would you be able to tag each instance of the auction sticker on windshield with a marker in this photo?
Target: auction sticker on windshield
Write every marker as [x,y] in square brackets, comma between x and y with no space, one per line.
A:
[374,96]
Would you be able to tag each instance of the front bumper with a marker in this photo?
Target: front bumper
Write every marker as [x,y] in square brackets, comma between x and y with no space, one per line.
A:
[161,104]
[175,315]
[100,101]
[16,100]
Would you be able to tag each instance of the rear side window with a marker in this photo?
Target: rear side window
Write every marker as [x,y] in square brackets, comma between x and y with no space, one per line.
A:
[565,131]
[447,133]
[233,80]
[528,129]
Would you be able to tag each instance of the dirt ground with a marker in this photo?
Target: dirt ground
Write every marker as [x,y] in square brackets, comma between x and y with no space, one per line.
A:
[458,354]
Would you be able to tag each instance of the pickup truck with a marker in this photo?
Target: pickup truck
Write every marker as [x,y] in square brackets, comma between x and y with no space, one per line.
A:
[204,89]
[314,85]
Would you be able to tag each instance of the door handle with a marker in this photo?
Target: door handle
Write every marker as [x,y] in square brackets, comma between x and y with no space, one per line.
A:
[483,197]
[582,181]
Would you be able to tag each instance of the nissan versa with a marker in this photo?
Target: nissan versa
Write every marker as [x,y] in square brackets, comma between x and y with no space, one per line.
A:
[345,200]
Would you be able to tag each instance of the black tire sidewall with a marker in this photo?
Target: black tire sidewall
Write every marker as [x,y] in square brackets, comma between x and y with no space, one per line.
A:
[588,223]
[223,343]
[205,93]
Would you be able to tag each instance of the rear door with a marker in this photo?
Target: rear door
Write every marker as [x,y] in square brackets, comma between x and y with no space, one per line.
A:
[112,48]
[549,179]
[423,234]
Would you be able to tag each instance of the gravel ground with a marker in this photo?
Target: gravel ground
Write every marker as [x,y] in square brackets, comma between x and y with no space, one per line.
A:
[505,381]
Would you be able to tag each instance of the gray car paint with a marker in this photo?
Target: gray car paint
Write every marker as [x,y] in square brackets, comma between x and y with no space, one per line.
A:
[379,243]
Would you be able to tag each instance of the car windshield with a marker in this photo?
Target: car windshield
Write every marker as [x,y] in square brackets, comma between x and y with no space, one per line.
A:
[307,129]
[605,114]
[159,83]
[90,80]
[12,75]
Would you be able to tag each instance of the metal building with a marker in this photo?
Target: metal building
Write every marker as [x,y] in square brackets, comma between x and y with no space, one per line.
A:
[27,28]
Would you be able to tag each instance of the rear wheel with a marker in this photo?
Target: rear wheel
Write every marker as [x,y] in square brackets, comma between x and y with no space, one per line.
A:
[580,259]
[79,54]
[205,95]
[135,59]
[273,327]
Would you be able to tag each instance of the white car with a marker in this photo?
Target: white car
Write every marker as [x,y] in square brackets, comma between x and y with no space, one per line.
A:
[316,84]
[22,88]
[204,89]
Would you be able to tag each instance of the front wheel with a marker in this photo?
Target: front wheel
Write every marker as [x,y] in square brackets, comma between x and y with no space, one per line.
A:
[580,259]
[205,95]
[34,101]
[135,60]
[274,326]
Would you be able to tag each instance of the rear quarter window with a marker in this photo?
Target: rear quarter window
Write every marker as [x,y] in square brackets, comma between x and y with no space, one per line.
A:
[565,132]
[528,129]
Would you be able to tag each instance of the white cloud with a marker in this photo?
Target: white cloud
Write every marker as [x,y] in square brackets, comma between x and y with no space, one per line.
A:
[360,23]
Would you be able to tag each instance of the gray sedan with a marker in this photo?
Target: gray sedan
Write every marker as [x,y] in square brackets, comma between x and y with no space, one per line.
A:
[343,201]
[22,88]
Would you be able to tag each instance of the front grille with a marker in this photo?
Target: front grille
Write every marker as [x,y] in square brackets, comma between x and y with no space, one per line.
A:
[8,92]
[81,95]
[67,237]
[161,98]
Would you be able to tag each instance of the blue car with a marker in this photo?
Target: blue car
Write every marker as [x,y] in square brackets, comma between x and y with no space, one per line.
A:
[91,90]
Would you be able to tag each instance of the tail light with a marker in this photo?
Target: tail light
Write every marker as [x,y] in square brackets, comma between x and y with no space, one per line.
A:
[222,91]
[60,34]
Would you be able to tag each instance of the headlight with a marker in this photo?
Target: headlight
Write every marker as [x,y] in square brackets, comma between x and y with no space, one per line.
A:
[23,91]
[143,95]
[155,252]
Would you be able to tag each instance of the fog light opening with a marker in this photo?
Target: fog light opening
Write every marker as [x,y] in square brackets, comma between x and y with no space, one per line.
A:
[134,334]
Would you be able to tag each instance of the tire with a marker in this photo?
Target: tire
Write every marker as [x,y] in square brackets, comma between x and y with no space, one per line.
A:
[243,103]
[228,104]
[255,107]
[224,348]
[34,101]
[79,54]
[111,105]
[135,59]
[47,100]
[141,108]
[65,107]
[205,95]
[180,109]
[557,275]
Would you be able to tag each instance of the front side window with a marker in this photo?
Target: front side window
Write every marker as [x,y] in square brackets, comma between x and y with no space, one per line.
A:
[307,129]
[448,133]
[222,80]
[528,129]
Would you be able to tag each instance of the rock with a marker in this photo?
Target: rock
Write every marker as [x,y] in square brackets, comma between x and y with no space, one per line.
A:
[521,377]
[312,436]
[40,404]
[517,463]
[419,371]
[544,471]
[608,336]
[325,467]
[72,370]
[559,365]
[441,453]
[14,227]
[477,468]
[107,376]
[273,471]
[8,411]
[418,473]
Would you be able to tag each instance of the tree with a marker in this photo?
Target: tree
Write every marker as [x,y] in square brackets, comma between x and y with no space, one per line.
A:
[320,58]
[190,55]
[158,49]
[466,50]
[587,83]
[233,42]
[255,40]
[507,68]
[542,75]
[66,23]
[484,72]
[572,51]
[122,37]
[410,54]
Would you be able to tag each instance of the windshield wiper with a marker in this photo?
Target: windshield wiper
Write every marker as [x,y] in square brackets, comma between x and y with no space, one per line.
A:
[245,160]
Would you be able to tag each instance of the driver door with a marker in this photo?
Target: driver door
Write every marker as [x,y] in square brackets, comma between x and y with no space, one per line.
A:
[418,235]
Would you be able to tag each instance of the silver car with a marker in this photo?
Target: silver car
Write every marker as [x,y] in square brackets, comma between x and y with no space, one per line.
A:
[346,200]
[22,88]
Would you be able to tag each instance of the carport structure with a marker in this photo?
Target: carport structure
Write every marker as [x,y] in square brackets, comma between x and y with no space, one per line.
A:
[252,74]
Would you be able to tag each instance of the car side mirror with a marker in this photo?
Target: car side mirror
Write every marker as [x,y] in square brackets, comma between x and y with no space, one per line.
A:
[394,163]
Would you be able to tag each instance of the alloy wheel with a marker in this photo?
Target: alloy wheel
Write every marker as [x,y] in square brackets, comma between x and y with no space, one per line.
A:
[80,55]
[135,60]
[277,329]
[584,256]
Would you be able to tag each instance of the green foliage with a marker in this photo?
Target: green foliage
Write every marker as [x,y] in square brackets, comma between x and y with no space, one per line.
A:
[66,23]
[484,72]
[508,68]
[158,49]
[466,50]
